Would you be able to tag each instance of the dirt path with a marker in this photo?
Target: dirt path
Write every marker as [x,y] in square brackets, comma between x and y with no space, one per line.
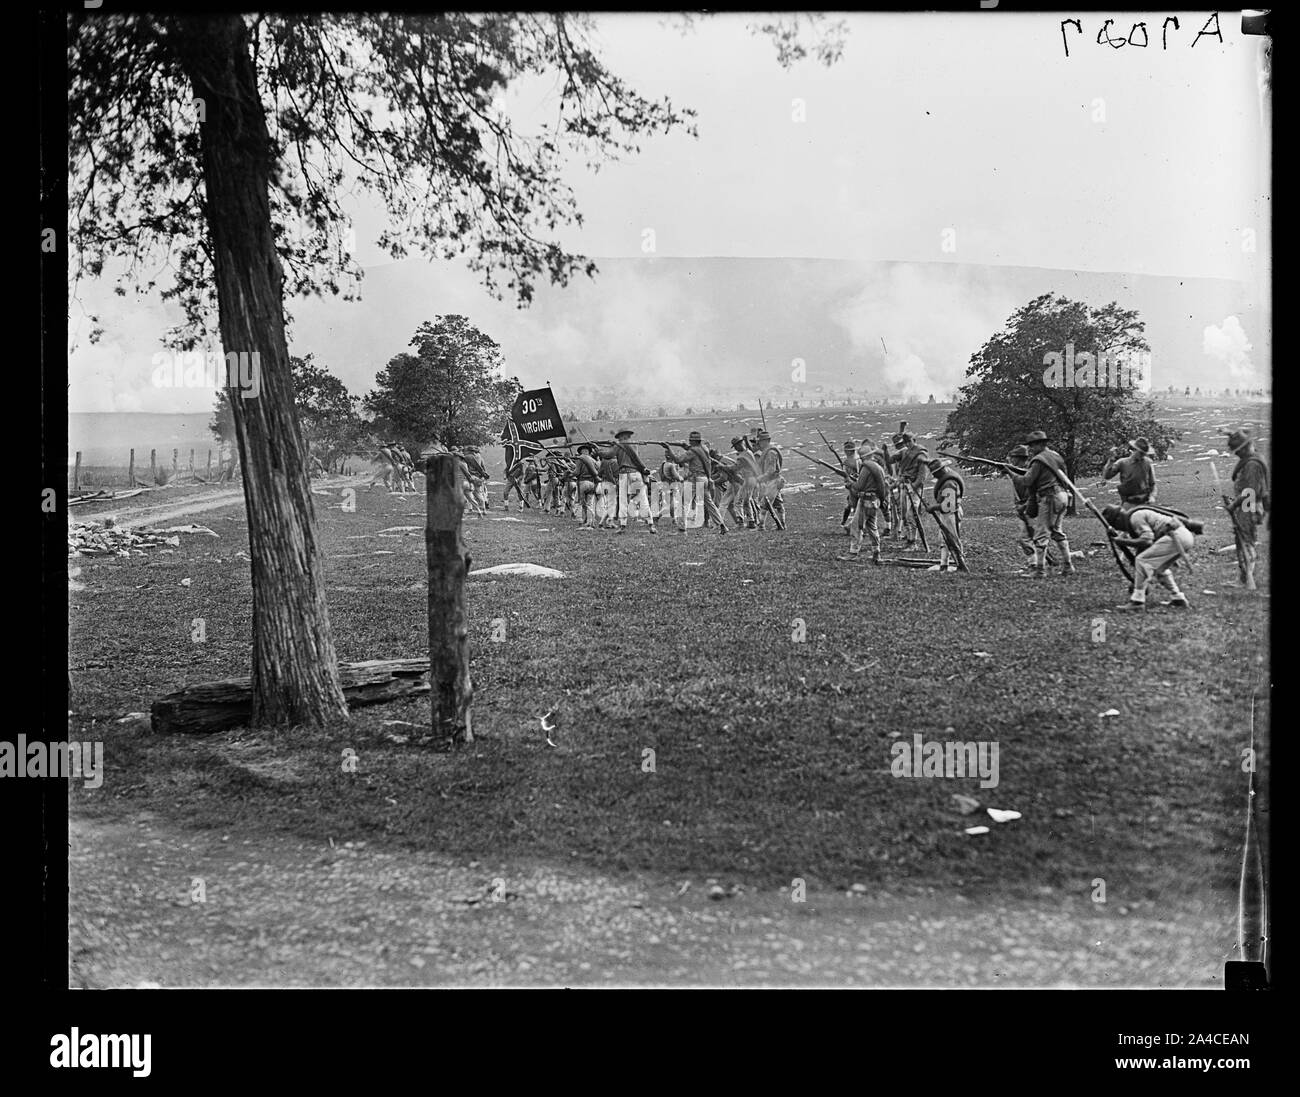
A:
[283,912]
[135,512]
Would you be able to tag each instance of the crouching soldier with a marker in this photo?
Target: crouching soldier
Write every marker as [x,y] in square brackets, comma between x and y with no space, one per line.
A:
[869,492]
[1161,541]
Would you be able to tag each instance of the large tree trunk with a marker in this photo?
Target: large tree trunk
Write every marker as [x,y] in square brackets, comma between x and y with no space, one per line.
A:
[295,673]
[448,564]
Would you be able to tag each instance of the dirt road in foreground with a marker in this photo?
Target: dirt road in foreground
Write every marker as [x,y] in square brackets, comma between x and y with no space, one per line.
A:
[283,912]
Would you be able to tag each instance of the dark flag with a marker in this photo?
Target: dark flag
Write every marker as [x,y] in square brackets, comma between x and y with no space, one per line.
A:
[516,448]
[536,416]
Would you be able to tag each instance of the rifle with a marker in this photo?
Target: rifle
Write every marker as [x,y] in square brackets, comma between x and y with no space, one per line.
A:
[823,464]
[913,503]
[763,414]
[1230,505]
[833,450]
[984,461]
[1066,483]
[949,538]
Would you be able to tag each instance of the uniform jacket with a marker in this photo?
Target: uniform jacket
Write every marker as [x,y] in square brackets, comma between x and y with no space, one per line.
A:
[769,463]
[1137,476]
[1038,478]
[911,466]
[1251,472]
[1151,525]
[871,481]
[627,458]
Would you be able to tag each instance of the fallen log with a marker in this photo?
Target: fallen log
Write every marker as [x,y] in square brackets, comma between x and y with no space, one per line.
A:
[217,706]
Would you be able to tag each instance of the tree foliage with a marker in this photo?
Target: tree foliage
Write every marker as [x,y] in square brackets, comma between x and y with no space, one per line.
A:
[403,105]
[327,413]
[1008,397]
[448,391]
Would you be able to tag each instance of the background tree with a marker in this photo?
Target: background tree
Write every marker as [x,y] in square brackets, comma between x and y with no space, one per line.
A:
[448,391]
[1007,396]
[225,144]
[327,414]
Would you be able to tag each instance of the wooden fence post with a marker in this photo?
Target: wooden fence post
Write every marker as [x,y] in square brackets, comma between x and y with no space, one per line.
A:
[76,473]
[176,457]
[153,467]
[191,462]
[209,477]
[130,472]
[448,564]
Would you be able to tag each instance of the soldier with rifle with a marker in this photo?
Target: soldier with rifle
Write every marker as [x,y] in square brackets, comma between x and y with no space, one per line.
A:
[606,490]
[949,488]
[1046,502]
[587,476]
[770,480]
[850,463]
[1251,503]
[632,477]
[868,489]
[1160,540]
[1019,456]
[741,491]
[698,467]
[911,475]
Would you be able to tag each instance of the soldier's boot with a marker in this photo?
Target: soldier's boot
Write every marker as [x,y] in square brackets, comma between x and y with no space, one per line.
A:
[1067,564]
[1039,570]
[1178,600]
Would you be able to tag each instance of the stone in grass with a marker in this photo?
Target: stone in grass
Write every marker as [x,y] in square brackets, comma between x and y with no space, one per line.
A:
[966,804]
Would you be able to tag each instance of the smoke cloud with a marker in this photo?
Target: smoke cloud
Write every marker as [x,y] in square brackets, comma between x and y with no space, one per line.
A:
[1228,346]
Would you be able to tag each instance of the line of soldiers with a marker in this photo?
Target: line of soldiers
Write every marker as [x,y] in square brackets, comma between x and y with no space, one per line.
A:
[607,486]
[888,482]
[400,467]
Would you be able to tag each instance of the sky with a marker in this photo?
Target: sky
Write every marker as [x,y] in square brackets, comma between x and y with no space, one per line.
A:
[968,140]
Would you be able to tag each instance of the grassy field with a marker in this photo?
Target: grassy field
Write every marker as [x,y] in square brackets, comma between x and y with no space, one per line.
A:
[771,756]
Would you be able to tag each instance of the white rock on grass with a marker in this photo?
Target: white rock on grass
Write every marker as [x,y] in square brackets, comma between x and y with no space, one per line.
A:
[535,571]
